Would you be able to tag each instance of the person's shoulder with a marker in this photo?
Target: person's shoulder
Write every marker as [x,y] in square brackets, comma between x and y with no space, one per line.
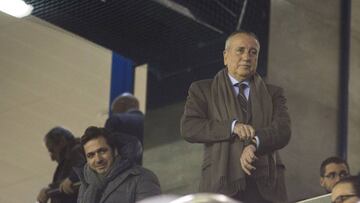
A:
[130,113]
[141,175]
[135,112]
[147,182]
[117,118]
[201,85]
[144,172]
[274,89]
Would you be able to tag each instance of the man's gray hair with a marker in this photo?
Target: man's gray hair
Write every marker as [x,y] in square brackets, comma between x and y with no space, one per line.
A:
[227,42]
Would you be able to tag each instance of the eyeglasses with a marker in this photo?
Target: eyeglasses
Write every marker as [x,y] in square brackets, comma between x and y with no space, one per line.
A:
[333,175]
[342,198]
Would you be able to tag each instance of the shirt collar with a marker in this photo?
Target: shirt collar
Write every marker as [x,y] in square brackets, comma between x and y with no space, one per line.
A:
[234,81]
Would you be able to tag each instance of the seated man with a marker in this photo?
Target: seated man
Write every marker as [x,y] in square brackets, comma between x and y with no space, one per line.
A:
[126,118]
[332,170]
[66,151]
[347,190]
[107,177]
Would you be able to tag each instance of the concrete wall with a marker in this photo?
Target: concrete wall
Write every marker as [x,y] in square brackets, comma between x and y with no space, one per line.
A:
[303,59]
[176,162]
[48,77]
[354,93]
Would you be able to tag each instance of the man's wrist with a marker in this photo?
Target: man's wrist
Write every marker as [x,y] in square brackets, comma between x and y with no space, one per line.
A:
[253,142]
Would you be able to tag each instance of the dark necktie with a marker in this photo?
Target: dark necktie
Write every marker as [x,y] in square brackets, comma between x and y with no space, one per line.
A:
[241,96]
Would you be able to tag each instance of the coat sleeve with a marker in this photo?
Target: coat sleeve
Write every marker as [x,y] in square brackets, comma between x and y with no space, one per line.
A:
[147,186]
[277,135]
[196,126]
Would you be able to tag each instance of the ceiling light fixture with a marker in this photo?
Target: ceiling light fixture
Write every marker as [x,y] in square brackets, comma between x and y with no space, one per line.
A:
[16,8]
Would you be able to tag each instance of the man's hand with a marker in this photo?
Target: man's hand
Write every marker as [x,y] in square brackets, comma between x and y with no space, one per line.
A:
[244,131]
[42,196]
[247,158]
[66,186]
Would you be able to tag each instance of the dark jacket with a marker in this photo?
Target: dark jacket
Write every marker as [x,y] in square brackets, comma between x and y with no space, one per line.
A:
[130,123]
[129,147]
[73,157]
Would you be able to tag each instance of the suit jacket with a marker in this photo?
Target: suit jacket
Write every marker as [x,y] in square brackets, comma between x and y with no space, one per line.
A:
[198,126]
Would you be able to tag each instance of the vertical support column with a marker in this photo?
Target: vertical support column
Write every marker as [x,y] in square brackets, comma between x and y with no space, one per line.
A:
[122,76]
[345,20]
[140,85]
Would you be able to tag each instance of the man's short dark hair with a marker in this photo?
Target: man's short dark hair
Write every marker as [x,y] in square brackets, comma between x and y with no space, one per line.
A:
[93,132]
[56,135]
[354,181]
[330,160]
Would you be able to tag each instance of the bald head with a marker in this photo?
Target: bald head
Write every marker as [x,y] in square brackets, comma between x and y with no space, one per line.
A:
[124,102]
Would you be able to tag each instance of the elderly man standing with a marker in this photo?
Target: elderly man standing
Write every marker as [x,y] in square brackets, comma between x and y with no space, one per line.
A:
[243,122]
[108,177]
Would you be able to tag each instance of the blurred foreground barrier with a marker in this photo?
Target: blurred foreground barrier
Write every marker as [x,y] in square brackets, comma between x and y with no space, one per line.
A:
[320,199]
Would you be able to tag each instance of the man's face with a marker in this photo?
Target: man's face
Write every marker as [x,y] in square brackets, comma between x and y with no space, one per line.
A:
[344,193]
[241,56]
[99,155]
[333,173]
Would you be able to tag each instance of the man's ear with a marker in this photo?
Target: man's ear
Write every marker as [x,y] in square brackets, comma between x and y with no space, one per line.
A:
[225,56]
[115,152]
[322,182]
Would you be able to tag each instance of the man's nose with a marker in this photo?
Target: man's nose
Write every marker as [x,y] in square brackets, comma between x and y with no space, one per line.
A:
[98,158]
[246,56]
[337,178]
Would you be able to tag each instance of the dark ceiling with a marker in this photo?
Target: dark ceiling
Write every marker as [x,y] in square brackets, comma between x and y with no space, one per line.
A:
[182,40]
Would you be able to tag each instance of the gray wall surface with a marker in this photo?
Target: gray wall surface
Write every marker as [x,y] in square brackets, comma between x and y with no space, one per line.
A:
[354,90]
[304,60]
